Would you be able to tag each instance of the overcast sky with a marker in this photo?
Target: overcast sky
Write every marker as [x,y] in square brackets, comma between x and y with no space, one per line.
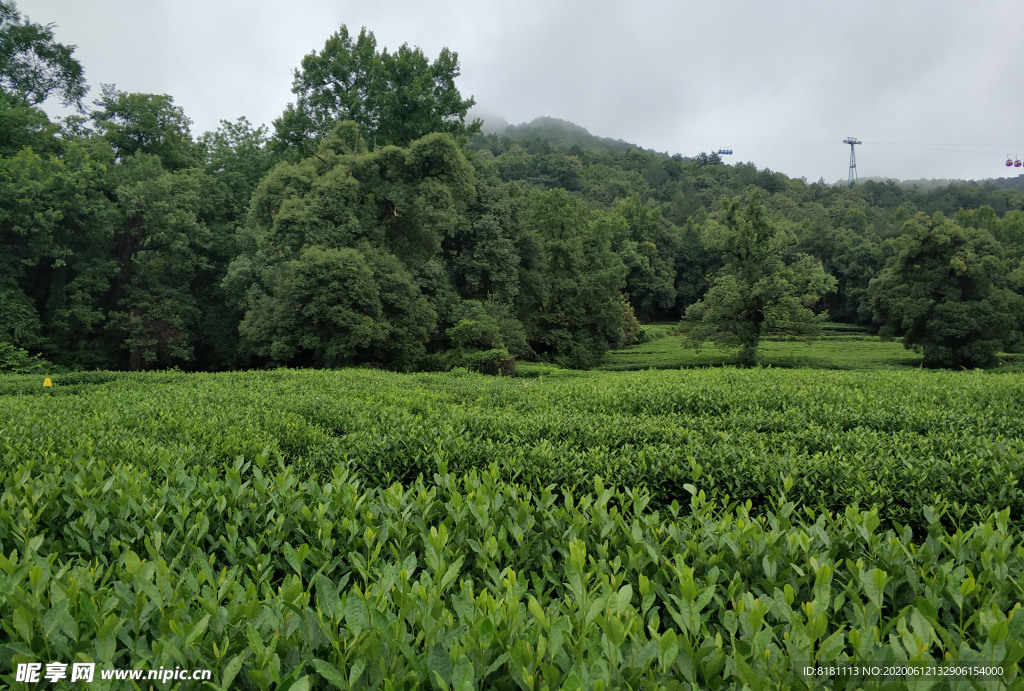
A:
[933,88]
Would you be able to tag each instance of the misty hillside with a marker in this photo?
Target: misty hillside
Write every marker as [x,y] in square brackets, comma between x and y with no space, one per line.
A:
[1014,183]
[930,184]
[551,153]
[565,135]
[548,132]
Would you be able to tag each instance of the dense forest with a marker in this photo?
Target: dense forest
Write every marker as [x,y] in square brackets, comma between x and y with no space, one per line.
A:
[372,224]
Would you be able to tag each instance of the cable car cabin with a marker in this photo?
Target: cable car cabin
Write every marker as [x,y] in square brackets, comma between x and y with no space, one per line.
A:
[1016,164]
[1009,162]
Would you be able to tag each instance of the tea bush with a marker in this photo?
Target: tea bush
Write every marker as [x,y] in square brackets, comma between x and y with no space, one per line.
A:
[362,529]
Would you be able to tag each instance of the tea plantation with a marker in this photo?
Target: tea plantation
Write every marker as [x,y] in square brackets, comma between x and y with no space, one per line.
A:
[709,528]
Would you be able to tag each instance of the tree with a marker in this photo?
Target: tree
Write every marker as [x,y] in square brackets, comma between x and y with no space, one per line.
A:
[647,247]
[395,98]
[146,123]
[333,262]
[161,245]
[324,302]
[33,66]
[581,312]
[478,337]
[23,125]
[756,292]
[483,254]
[56,266]
[237,156]
[945,292]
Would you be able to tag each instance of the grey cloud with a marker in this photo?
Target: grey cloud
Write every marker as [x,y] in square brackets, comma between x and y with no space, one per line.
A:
[934,84]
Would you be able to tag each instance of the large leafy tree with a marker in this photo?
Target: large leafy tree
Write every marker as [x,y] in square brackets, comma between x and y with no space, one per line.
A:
[394,97]
[484,253]
[23,125]
[647,246]
[161,245]
[756,292]
[162,242]
[580,311]
[484,259]
[946,293]
[56,265]
[336,305]
[33,65]
[338,251]
[237,156]
[148,124]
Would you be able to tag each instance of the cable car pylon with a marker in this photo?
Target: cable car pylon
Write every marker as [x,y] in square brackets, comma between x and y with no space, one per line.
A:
[852,141]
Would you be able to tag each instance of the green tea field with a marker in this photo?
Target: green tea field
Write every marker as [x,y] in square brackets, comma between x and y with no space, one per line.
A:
[677,529]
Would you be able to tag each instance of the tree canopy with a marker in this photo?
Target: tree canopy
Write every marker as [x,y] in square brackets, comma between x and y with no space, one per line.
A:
[580,311]
[145,123]
[334,245]
[33,65]
[946,292]
[371,226]
[394,97]
[756,292]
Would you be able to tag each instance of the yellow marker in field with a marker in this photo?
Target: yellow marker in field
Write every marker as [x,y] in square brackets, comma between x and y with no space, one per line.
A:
[47,383]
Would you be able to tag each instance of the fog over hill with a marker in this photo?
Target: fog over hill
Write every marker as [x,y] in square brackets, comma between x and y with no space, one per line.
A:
[566,134]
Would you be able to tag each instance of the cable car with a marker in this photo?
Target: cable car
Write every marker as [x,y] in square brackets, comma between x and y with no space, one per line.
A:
[1016,163]
[1009,161]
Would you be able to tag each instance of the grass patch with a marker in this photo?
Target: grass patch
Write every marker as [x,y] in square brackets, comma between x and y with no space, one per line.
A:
[842,347]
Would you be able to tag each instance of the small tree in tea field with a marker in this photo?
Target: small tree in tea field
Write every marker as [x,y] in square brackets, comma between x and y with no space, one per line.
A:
[756,291]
